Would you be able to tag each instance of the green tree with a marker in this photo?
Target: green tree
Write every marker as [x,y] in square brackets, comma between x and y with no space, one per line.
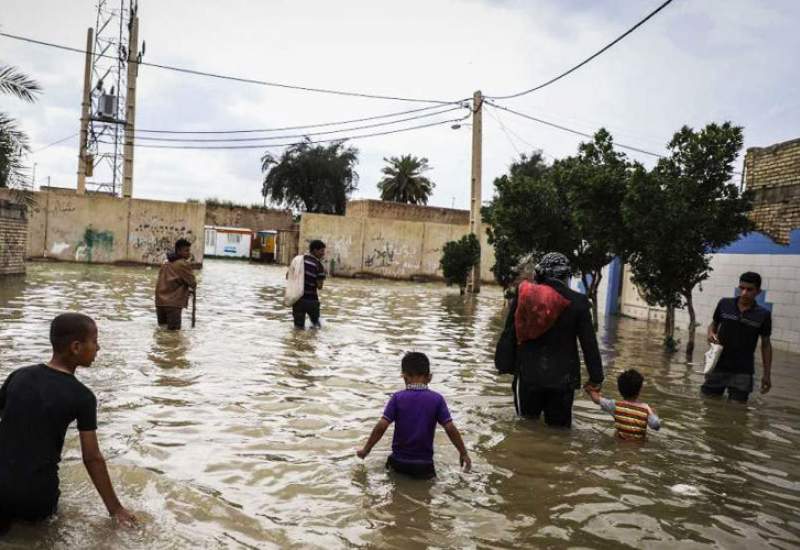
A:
[682,211]
[519,217]
[14,143]
[313,178]
[458,258]
[573,207]
[593,185]
[403,180]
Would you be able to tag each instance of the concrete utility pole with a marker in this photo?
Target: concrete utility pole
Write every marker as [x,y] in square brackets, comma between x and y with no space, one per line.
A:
[130,108]
[86,107]
[474,283]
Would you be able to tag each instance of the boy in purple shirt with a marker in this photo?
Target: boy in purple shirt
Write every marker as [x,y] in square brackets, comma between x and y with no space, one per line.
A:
[415,412]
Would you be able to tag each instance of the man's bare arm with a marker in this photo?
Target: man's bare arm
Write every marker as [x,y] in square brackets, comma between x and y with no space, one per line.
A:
[98,472]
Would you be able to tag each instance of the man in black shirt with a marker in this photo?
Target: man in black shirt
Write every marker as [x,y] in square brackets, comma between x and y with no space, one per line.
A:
[37,404]
[737,324]
[314,278]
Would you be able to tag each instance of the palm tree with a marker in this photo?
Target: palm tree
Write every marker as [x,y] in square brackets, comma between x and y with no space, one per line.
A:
[14,144]
[403,180]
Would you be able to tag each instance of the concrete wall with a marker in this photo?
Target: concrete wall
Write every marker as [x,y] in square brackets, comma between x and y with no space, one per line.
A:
[779,267]
[103,229]
[370,208]
[255,219]
[13,236]
[393,249]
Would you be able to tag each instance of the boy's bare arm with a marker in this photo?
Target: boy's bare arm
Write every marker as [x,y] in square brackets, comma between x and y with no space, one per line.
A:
[455,438]
[374,437]
[96,467]
[593,393]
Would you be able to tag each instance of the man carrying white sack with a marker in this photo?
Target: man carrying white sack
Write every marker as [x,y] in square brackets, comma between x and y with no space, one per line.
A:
[737,324]
[304,278]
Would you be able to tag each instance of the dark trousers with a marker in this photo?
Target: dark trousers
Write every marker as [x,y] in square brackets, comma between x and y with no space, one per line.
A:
[25,499]
[555,403]
[415,470]
[169,316]
[303,307]
[739,385]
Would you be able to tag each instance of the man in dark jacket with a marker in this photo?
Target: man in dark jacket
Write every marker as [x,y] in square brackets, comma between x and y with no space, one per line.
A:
[548,367]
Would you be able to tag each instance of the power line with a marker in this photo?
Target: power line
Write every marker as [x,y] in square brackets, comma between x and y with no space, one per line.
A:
[62,140]
[565,129]
[285,128]
[278,145]
[588,59]
[235,78]
[263,138]
[584,134]
[503,127]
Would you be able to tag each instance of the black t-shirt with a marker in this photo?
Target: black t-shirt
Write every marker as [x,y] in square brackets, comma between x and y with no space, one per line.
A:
[314,271]
[37,404]
[738,332]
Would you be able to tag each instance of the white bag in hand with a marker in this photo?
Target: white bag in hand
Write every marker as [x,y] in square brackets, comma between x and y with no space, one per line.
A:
[712,356]
[295,280]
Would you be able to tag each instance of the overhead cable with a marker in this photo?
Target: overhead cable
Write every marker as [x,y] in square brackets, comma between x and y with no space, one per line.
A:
[284,136]
[588,59]
[62,140]
[279,145]
[571,130]
[285,128]
[235,78]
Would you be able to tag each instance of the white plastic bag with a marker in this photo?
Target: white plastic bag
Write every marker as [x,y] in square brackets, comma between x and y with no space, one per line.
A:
[712,356]
[295,280]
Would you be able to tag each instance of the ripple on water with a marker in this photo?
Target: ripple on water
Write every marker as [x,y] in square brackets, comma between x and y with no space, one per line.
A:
[241,432]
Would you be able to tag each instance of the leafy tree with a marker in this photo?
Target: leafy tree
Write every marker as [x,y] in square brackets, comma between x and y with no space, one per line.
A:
[403,180]
[685,209]
[313,178]
[520,215]
[573,207]
[14,143]
[458,258]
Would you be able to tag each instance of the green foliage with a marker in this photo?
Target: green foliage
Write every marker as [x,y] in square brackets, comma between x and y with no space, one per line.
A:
[313,178]
[403,180]
[14,143]
[682,211]
[572,207]
[521,214]
[458,258]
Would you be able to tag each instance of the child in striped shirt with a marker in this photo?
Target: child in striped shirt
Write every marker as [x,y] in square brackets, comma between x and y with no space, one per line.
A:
[631,416]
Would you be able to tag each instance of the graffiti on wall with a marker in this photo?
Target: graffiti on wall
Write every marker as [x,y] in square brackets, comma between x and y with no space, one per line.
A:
[152,241]
[380,257]
[93,242]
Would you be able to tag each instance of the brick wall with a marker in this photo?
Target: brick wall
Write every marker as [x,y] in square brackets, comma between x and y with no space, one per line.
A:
[254,219]
[773,173]
[13,238]
[369,208]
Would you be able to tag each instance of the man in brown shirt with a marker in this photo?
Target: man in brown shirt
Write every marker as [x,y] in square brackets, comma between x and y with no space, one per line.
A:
[175,282]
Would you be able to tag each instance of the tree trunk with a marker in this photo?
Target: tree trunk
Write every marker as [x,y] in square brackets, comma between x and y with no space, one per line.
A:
[592,291]
[669,329]
[692,323]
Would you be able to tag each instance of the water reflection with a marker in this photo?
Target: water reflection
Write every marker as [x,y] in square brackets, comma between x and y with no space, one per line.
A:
[241,432]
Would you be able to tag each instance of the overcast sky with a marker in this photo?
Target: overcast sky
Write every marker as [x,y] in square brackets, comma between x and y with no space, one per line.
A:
[694,63]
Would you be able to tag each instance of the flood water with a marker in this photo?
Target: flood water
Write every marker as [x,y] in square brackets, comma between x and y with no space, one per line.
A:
[242,431]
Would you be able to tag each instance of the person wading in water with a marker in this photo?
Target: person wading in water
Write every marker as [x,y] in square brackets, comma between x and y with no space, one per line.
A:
[313,279]
[549,320]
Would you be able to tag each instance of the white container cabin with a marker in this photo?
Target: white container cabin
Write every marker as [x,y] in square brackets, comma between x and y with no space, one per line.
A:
[227,242]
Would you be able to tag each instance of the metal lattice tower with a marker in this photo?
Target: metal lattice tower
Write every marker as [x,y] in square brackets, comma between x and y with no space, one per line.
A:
[109,84]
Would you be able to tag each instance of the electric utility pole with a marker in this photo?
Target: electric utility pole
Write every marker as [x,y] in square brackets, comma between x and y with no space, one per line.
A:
[86,105]
[134,57]
[474,283]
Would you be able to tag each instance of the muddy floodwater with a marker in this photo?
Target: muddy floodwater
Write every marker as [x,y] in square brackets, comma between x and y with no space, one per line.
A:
[242,431]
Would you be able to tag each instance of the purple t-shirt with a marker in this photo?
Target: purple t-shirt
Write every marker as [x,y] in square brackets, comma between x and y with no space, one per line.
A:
[415,413]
